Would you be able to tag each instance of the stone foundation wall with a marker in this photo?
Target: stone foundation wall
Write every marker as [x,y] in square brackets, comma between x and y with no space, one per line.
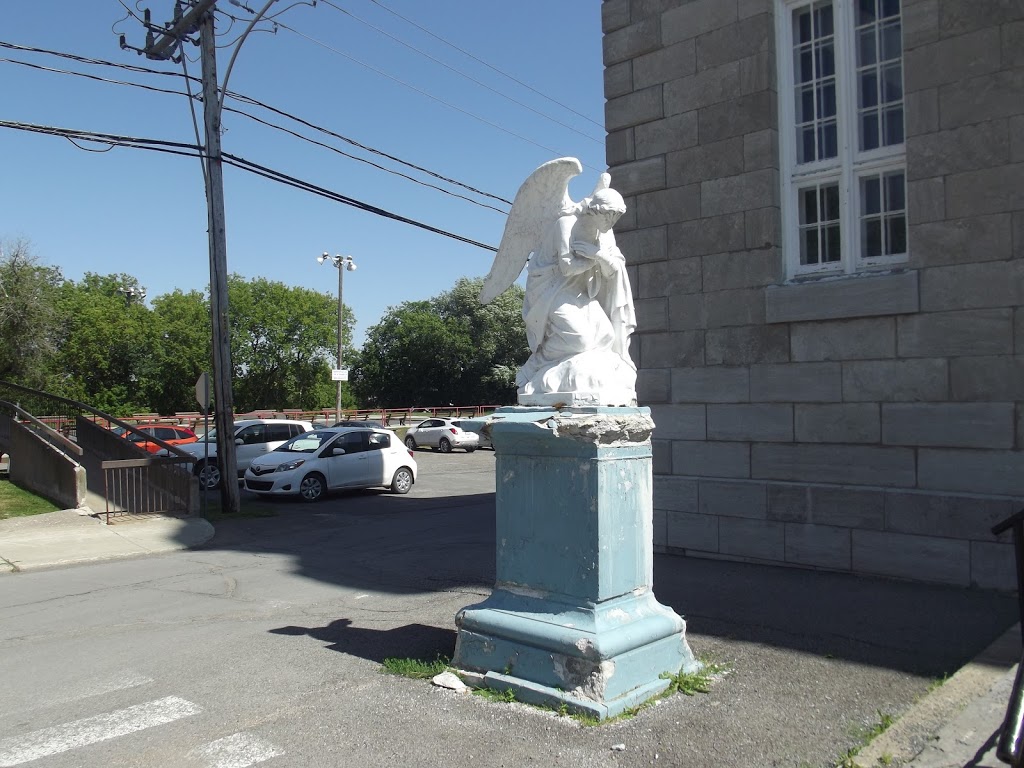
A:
[872,423]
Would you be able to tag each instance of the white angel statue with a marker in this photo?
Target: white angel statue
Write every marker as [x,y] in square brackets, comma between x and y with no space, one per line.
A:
[578,307]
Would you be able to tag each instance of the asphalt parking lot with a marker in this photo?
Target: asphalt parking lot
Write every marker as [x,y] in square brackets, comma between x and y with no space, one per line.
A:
[815,659]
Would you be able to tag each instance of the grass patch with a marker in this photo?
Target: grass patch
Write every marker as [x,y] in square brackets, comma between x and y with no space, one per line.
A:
[17,502]
[698,681]
[416,668]
[688,683]
[507,696]
[866,735]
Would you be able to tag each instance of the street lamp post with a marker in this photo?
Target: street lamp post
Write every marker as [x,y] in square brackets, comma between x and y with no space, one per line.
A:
[342,263]
[132,294]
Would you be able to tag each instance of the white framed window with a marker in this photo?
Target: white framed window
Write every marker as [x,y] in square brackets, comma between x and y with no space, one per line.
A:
[841,133]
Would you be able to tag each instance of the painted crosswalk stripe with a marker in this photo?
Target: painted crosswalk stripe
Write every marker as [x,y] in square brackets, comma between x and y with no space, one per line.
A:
[99,687]
[239,750]
[62,738]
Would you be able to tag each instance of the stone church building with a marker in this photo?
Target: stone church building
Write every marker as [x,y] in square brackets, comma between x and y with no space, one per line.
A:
[826,233]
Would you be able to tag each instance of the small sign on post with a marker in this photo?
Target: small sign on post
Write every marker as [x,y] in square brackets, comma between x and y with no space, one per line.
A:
[203,391]
[339,374]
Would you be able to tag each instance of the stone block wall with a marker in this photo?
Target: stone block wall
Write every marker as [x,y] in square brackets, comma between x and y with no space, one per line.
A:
[872,423]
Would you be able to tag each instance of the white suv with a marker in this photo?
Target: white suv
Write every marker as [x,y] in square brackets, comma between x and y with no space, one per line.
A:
[253,438]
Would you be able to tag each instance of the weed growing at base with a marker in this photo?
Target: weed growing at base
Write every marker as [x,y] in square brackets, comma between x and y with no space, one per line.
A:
[417,668]
[688,683]
[866,736]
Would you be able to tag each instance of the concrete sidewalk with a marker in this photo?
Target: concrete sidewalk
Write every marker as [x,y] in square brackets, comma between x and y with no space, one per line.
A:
[71,536]
[954,725]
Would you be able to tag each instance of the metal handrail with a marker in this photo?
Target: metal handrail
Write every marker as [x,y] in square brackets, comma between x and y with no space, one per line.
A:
[70,446]
[1010,748]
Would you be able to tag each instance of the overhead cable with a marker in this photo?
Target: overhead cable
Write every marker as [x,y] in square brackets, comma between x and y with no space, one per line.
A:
[481,61]
[420,91]
[179,148]
[459,72]
[242,98]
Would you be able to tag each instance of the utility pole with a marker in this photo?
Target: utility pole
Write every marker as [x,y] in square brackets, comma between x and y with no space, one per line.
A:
[224,416]
[201,14]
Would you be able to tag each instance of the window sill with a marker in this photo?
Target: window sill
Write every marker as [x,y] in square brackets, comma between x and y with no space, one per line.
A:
[863,295]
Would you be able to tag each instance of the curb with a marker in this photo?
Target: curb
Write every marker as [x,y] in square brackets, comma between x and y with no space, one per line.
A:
[913,738]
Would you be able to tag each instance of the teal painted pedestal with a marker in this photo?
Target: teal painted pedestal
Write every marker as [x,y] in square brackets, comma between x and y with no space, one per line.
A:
[573,619]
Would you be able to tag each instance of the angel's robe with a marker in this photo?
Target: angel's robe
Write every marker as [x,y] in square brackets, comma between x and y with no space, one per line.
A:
[579,316]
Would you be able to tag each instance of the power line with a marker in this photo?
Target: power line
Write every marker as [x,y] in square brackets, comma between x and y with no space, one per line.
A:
[191,150]
[362,160]
[353,142]
[244,99]
[420,91]
[481,61]
[463,74]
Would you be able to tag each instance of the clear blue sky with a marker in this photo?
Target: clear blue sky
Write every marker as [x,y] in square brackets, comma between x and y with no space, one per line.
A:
[144,213]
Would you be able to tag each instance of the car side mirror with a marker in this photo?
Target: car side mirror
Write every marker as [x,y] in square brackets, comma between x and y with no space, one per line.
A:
[239,441]
[337,451]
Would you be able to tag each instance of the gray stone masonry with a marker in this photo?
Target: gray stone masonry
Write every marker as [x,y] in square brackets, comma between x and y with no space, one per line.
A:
[871,421]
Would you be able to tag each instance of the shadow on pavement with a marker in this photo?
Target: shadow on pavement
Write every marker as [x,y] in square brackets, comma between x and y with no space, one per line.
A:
[415,641]
[418,545]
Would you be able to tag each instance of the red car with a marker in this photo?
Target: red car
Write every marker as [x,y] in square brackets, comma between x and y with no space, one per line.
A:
[167,432]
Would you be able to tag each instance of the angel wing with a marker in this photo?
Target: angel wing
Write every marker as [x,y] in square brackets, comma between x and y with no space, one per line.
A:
[537,203]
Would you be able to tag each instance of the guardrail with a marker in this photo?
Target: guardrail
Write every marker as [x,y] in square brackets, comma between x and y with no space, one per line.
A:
[1010,748]
[147,486]
[79,429]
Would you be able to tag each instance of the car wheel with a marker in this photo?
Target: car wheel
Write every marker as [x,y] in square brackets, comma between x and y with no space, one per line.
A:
[444,446]
[402,481]
[209,475]
[312,487]
[410,443]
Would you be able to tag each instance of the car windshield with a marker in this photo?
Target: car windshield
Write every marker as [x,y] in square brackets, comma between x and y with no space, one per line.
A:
[308,442]
[210,436]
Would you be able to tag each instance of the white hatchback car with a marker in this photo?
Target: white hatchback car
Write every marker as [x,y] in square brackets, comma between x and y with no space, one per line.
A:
[253,437]
[443,434]
[334,458]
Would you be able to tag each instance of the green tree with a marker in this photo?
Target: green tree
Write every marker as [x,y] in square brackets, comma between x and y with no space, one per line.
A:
[283,341]
[181,352]
[28,317]
[105,344]
[450,349]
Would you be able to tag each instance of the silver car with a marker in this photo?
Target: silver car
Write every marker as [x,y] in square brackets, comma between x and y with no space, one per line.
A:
[443,434]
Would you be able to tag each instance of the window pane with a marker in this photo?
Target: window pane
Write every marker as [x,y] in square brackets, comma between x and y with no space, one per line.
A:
[804,65]
[826,60]
[868,89]
[893,126]
[872,245]
[828,141]
[805,145]
[823,20]
[892,43]
[866,48]
[896,235]
[802,26]
[832,243]
[895,196]
[830,203]
[890,8]
[809,247]
[805,105]
[869,131]
[865,11]
[809,206]
[892,83]
[827,100]
[870,196]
